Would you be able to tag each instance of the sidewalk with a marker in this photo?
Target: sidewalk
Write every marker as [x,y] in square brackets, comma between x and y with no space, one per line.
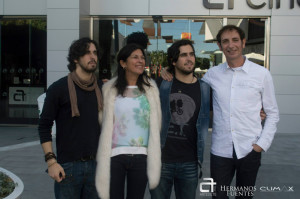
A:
[21,153]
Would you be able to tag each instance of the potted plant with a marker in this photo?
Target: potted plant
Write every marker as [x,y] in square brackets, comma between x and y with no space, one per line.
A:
[11,186]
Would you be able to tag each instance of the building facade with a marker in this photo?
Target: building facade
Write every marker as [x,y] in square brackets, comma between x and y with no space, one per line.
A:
[36,34]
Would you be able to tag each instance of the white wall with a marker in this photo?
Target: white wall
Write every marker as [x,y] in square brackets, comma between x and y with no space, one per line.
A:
[23,7]
[285,67]
[119,7]
[1,7]
[173,7]
[176,7]
[62,28]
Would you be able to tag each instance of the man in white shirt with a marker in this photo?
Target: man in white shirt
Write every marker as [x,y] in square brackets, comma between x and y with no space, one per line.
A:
[240,89]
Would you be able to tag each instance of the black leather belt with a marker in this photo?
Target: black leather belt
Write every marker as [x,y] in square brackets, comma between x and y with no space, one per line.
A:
[87,158]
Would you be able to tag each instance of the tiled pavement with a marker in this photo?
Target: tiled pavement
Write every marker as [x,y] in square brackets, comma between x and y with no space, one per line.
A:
[21,153]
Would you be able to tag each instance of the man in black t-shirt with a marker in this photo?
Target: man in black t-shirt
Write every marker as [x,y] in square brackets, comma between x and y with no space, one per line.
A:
[183,101]
[181,142]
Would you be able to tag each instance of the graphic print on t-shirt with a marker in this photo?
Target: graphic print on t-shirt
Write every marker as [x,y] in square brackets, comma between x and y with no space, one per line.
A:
[182,110]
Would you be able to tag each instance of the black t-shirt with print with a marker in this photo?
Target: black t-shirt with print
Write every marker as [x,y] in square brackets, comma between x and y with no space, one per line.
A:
[181,143]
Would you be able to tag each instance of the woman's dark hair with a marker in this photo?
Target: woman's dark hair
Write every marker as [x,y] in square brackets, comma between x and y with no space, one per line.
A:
[78,49]
[121,82]
[174,51]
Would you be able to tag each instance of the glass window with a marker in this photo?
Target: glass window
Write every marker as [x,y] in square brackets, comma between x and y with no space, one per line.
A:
[111,35]
[23,68]
[163,31]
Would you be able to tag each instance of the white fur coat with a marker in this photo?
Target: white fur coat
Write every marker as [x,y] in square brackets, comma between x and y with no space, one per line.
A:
[105,142]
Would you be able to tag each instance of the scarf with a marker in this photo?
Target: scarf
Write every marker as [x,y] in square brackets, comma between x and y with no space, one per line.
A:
[84,85]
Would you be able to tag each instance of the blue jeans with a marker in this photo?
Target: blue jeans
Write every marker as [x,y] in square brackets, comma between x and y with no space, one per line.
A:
[133,168]
[184,176]
[79,182]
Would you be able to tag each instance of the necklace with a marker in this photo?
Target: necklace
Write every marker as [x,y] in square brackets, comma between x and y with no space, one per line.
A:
[179,89]
[192,79]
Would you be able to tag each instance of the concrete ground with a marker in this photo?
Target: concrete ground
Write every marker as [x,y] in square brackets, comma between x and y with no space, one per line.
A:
[21,153]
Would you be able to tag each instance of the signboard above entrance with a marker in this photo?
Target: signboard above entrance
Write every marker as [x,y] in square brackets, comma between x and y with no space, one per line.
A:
[209,5]
[195,8]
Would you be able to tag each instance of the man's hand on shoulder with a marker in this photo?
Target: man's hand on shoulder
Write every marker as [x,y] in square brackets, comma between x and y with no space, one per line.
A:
[166,75]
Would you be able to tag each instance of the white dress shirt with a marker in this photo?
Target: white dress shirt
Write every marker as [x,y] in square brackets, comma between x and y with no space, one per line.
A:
[238,96]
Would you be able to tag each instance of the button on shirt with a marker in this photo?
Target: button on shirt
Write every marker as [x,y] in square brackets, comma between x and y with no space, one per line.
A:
[238,96]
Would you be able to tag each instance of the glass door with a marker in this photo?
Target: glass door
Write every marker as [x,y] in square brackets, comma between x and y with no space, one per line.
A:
[22,69]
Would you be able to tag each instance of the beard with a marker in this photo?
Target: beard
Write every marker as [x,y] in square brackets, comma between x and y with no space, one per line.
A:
[185,71]
[86,69]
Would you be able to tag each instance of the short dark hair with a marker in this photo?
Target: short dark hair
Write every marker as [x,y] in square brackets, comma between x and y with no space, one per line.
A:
[121,82]
[230,28]
[78,49]
[174,51]
[140,38]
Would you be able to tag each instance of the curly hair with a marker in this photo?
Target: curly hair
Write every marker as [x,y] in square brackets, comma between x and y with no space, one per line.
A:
[121,82]
[174,51]
[140,38]
[78,49]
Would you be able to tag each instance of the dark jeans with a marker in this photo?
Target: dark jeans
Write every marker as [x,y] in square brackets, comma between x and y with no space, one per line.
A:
[185,179]
[134,169]
[79,181]
[223,169]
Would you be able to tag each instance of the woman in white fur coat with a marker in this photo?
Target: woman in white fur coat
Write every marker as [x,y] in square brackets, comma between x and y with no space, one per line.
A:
[129,145]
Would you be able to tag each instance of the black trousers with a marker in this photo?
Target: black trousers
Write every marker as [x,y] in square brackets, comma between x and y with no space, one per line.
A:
[133,169]
[246,169]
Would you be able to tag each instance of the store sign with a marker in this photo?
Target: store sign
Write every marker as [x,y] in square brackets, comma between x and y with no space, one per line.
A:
[186,35]
[24,95]
[250,3]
